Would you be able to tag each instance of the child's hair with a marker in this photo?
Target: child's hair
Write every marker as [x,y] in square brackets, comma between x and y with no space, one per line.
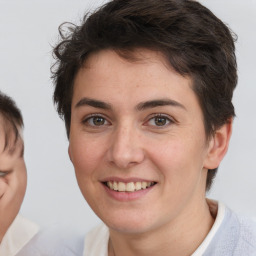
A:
[12,121]
[193,40]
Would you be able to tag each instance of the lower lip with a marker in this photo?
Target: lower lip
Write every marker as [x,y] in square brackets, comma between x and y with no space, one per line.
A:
[127,196]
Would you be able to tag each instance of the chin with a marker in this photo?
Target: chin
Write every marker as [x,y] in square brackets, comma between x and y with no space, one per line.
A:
[130,224]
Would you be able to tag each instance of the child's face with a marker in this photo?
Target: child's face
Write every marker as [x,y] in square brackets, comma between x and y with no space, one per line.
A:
[13,181]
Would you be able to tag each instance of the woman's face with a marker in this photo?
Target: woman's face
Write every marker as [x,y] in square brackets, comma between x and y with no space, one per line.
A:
[137,141]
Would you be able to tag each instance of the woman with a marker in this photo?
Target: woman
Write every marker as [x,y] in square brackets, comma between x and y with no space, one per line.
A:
[145,89]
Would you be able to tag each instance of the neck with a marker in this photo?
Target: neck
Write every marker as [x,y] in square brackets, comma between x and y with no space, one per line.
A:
[180,237]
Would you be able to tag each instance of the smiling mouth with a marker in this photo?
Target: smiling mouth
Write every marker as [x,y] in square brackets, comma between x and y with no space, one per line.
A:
[128,187]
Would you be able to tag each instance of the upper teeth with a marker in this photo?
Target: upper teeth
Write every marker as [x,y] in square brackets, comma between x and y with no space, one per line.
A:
[130,186]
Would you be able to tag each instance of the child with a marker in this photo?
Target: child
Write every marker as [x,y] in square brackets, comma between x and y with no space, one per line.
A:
[19,236]
[15,231]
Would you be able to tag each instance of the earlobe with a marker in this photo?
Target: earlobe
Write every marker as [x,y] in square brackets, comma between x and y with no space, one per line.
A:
[218,146]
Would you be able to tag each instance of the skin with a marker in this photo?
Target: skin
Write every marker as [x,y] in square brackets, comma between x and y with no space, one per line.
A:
[13,181]
[128,142]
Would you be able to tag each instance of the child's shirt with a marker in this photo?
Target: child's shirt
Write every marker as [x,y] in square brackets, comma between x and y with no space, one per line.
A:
[17,236]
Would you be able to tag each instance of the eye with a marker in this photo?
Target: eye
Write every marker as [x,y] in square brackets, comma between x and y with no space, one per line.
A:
[160,121]
[3,174]
[96,120]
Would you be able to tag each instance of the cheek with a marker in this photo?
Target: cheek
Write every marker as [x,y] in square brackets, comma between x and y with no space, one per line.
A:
[179,162]
[85,156]
[168,155]
[24,183]
[3,187]
[15,192]
[21,183]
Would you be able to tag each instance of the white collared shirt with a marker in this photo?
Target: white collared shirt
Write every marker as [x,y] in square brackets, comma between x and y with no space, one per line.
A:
[17,236]
[217,210]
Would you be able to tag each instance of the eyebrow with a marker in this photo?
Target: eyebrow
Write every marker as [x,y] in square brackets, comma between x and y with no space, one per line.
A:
[93,103]
[140,107]
[159,103]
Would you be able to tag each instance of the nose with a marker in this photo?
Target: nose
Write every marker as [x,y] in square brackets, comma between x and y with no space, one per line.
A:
[125,148]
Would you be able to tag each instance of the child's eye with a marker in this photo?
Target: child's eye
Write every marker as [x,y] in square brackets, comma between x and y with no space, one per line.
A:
[96,120]
[3,174]
[160,121]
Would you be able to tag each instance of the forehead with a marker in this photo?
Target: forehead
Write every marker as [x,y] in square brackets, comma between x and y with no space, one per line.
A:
[137,66]
[134,56]
[9,140]
[146,71]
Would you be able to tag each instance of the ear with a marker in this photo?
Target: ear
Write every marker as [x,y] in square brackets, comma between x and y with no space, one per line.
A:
[218,146]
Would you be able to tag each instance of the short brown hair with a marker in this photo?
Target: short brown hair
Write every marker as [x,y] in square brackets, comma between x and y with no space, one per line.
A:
[12,120]
[193,40]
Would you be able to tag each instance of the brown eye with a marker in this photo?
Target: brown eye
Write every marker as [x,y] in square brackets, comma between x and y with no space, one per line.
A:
[160,121]
[98,121]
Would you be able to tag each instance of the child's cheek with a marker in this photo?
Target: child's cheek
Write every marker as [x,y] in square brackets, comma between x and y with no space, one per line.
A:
[3,187]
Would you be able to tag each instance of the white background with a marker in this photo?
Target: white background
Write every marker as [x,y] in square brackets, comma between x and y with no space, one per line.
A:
[28,28]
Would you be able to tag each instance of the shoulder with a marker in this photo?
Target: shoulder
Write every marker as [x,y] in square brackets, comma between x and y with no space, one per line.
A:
[246,242]
[235,237]
[55,241]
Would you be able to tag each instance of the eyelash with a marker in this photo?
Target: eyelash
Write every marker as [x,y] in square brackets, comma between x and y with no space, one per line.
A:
[92,117]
